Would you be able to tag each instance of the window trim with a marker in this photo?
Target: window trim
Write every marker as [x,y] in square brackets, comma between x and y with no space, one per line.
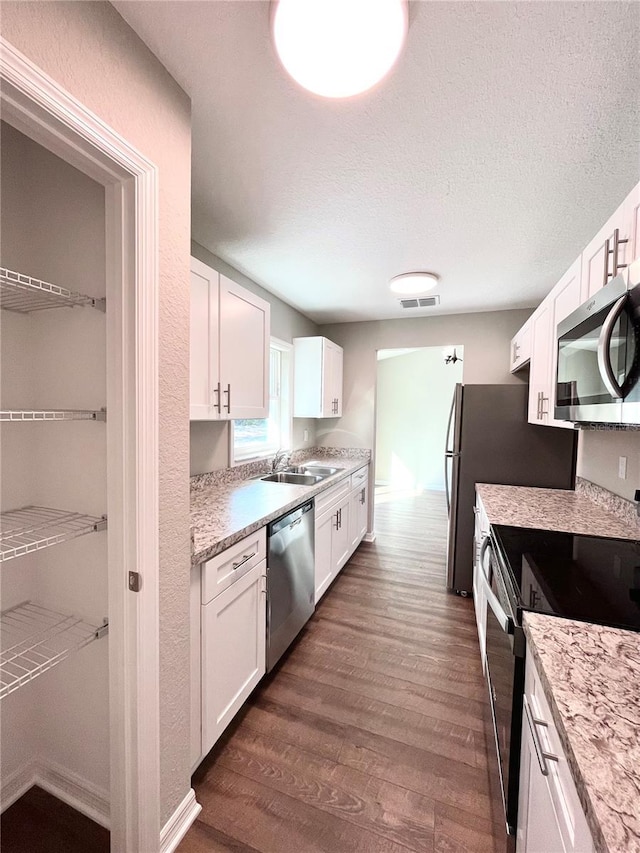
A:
[284,347]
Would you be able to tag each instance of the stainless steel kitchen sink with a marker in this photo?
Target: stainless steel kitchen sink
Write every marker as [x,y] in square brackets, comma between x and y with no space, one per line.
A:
[293,477]
[319,470]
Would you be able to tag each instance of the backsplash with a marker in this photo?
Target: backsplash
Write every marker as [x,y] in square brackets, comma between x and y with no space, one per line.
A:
[599,452]
[624,509]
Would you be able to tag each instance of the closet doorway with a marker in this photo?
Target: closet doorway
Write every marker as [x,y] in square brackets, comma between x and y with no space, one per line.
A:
[79,426]
[414,390]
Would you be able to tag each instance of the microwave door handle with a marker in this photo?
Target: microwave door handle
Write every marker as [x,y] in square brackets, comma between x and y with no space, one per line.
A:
[604,349]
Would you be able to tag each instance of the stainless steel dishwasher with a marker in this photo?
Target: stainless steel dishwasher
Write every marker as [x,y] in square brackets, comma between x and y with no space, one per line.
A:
[290,579]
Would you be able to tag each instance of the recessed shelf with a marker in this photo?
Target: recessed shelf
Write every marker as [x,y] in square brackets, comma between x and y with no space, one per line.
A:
[21,416]
[22,293]
[35,639]
[32,528]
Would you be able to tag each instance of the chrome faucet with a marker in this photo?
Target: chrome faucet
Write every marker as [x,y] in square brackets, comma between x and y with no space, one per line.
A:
[280,460]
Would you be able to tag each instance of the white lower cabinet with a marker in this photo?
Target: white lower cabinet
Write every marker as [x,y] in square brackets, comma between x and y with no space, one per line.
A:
[359,506]
[332,540]
[341,520]
[550,817]
[228,640]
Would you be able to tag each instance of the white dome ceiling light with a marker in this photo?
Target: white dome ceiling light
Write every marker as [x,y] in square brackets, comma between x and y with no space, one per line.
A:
[413,283]
[339,48]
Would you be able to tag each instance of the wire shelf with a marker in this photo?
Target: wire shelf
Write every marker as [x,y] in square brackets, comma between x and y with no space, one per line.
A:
[32,528]
[22,293]
[33,639]
[21,416]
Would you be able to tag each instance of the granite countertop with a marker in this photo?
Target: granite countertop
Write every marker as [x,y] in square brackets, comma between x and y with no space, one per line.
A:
[553,509]
[590,675]
[222,513]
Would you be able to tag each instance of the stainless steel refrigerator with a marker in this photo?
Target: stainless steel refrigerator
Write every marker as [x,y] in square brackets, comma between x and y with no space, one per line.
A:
[490,441]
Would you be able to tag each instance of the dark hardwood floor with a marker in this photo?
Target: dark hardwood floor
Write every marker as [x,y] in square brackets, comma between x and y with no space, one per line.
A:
[40,823]
[370,735]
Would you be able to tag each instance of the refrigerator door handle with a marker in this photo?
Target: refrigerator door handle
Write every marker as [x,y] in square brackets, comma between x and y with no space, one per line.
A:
[448,454]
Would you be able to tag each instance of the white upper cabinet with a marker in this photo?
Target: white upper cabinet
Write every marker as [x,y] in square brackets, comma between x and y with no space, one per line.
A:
[521,348]
[230,329]
[317,388]
[613,247]
[618,245]
[540,371]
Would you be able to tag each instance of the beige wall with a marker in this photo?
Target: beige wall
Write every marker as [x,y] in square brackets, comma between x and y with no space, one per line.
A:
[89,50]
[210,440]
[598,453]
[485,338]
[414,393]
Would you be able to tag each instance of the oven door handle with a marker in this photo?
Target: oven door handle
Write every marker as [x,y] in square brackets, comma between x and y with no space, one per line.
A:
[504,620]
[604,349]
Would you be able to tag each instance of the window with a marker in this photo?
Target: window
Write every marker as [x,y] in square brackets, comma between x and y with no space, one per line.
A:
[252,438]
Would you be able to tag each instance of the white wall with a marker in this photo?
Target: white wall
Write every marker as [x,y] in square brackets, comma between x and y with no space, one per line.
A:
[485,338]
[414,394]
[598,454]
[89,50]
[210,440]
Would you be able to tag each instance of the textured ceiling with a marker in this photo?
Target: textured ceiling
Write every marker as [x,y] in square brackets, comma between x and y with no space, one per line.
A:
[505,136]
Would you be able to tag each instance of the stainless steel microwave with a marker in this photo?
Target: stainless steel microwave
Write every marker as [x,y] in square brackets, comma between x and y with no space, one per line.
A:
[598,377]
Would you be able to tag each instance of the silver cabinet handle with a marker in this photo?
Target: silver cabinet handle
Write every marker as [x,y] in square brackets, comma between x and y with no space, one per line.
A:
[244,559]
[604,346]
[542,756]
[362,496]
[217,404]
[516,347]
[617,242]
[228,393]
[543,399]
[338,519]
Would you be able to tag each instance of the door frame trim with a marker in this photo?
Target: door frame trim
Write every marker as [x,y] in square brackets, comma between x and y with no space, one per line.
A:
[36,105]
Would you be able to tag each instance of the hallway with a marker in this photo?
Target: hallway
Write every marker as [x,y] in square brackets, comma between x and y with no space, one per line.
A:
[369,736]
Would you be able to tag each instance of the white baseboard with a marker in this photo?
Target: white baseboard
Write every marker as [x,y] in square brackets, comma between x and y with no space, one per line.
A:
[178,824]
[17,784]
[369,537]
[72,789]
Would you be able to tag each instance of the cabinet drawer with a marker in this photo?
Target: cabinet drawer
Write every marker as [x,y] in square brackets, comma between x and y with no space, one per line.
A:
[360,477]
[335,494]
[562,791]
[222,570]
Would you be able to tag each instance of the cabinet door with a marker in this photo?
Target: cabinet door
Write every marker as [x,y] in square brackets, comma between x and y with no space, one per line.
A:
[244,352]
[539,391]
[597,266]
[521,348]
[340,536]
[323,565]
[203,360]
[233,651]
[358,511]
[538,827]
[565,298]
[335,372]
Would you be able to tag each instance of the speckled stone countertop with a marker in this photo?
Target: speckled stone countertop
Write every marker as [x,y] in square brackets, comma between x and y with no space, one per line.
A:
[553,509]
[590,675]
[223,513]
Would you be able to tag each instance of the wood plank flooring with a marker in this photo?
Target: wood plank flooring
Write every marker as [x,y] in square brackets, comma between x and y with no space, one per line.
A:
[40,823]
[369,737]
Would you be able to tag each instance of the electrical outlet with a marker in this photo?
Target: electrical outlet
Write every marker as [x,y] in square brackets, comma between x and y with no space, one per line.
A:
[305,435]
[622,467]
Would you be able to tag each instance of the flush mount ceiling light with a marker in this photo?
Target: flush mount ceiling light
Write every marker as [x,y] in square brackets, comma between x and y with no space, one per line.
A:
[339,48]
[413,283]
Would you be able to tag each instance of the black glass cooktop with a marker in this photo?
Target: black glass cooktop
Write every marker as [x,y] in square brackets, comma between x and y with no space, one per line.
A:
[578,577]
